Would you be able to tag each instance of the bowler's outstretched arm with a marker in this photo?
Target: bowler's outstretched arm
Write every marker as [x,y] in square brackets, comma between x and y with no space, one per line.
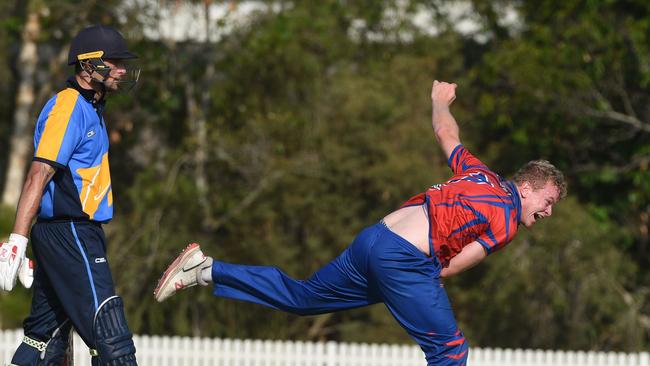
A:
[444,124]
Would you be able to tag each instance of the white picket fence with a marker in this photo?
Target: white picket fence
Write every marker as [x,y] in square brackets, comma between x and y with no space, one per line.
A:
[185,351]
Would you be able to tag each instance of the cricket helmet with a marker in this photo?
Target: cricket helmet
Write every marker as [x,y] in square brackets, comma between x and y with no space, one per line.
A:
[98,41]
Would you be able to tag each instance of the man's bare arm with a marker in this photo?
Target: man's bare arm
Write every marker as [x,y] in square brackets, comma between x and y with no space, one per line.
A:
[444,124]
[38,177]
[471,255]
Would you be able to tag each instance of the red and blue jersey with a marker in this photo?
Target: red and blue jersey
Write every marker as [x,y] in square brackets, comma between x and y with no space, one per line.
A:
[476,204]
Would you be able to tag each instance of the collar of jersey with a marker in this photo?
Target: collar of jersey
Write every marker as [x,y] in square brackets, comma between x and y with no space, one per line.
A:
[512,190]
[87,94]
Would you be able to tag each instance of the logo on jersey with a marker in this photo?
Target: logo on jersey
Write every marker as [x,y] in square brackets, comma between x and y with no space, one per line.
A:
[96,185]
[437,186]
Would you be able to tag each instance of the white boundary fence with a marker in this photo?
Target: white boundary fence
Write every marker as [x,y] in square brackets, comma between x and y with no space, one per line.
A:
[184,351]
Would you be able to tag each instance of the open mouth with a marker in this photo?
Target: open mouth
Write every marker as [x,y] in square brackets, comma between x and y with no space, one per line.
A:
[538,216]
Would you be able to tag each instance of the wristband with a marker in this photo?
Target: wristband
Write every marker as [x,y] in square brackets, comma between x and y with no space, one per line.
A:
[18,239]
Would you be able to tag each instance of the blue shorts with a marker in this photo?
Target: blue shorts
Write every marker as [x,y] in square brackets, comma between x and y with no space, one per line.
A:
[379,266]
[71,280]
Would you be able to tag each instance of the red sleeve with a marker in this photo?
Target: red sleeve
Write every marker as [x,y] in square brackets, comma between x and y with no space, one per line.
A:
[461,160]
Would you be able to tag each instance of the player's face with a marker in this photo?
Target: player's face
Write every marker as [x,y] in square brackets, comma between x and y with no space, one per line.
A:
[118,70]
[537,204]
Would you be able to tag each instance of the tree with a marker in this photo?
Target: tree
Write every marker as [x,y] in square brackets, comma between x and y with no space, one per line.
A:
[20,142]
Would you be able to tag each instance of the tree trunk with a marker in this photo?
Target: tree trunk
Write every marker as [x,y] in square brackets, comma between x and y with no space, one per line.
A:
[200,129]
[21,142]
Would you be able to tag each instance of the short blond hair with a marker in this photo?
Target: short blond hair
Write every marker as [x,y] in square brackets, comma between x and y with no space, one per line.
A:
[538,172]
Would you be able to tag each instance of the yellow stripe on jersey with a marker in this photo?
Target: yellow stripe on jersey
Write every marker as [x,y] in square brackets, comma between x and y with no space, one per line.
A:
[56,125]
[95,185]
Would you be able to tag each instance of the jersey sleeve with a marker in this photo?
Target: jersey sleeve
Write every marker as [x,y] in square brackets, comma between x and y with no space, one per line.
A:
[58,130]
[461,160]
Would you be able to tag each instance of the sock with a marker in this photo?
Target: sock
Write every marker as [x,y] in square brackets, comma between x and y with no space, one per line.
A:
[205,275]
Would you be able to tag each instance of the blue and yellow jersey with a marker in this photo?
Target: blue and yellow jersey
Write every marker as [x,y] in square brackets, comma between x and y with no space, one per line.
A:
[71,136]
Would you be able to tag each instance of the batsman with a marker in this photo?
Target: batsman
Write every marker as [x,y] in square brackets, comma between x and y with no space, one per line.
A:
[401,260]
[68,190]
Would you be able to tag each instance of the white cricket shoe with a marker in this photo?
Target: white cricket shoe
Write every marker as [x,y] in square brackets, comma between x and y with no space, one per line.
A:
[184,272]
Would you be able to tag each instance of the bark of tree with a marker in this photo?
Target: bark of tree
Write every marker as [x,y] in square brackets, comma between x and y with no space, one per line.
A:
[20,144]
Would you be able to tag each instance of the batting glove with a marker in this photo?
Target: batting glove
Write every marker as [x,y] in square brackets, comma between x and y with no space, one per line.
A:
[26,273]
[12,254]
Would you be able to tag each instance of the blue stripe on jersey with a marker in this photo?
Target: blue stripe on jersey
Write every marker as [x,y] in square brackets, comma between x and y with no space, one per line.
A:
[469,224]
[506,211]
[490,233]
[480,219]
[467,207]
[487,246]
[514,196]
[466,167]
[492,203]
[485,196]
[455,157]
[453,154]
